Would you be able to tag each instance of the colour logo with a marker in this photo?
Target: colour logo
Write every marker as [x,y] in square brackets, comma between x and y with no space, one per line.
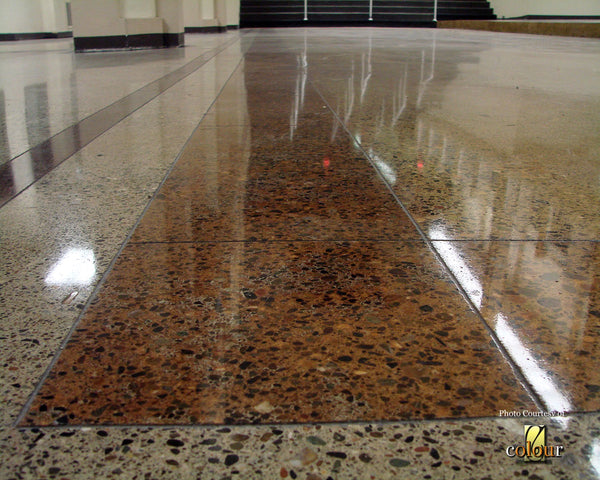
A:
[535,448]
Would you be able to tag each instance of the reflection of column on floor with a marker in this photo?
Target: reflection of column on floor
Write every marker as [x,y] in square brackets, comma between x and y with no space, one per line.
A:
[225,147]
[4,143]
[16,132]
[36,120]
[593,306]
[582,315]
[299,94]
[237,114]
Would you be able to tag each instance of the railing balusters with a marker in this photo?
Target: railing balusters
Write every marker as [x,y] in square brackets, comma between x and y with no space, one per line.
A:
[435,11]
[371,10]
[305,10]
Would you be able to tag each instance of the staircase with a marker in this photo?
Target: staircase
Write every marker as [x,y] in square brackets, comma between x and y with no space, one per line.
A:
[290,13]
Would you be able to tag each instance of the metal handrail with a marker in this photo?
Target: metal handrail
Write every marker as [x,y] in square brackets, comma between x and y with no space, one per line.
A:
[435,9]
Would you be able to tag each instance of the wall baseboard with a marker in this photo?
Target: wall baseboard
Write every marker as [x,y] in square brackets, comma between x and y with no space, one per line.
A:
[9,37]
[212,29]
[124,42]
[556,17]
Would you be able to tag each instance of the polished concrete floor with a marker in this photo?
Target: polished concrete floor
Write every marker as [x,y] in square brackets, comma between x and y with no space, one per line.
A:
[326,253]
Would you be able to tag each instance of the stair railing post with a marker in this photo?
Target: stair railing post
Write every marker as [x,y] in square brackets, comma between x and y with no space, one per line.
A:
[435,11]
[371,10]
[305,10]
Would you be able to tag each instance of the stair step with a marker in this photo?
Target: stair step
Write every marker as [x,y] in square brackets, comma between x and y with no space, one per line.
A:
[340,12]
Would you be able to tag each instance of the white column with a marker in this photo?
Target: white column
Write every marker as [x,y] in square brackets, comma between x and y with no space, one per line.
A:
[171,11]
[207,9]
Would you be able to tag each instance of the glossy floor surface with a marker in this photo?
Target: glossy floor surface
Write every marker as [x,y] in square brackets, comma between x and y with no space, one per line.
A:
[325,253]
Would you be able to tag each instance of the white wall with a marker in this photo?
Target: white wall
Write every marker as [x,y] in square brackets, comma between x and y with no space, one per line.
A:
[97,18]
[199,13]
[33,16]
[207,9]
[233,12]
[54,15]
[21,16]
[191,13]
[138,8]
[228,12]
[519,8]
[171,11]
[60,15]
[48,16]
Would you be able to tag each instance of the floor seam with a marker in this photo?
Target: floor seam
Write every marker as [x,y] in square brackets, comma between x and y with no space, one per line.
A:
[213,242]
[199,426]
[353,240]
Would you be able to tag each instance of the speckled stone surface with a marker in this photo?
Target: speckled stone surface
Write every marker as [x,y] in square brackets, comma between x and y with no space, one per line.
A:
[310,295]
[487,145]
[59,87]
[76,218]
[239,183]
[459,449]
[283,332]
[543,301]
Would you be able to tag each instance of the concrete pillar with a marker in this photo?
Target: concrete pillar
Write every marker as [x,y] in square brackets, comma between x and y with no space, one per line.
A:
[233,13]
[171,11]
[112,24]
[97,24]
[228,13]
[200,16]
[207,8]
[31,19]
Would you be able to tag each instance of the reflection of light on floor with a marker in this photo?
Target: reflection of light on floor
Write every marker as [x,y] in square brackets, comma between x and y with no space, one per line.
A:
[356,142]
[595,457]
[384,168]
[538,378]
[76,267]
[457,266]
[553,398]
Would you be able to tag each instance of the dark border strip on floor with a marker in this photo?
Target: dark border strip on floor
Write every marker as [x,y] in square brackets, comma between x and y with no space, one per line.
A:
[112,263]
[49,154]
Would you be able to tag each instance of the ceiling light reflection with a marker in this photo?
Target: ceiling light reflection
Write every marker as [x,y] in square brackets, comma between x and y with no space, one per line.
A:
[76,267]
[595,457]
[384,168]
[457,265]
[553,398]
